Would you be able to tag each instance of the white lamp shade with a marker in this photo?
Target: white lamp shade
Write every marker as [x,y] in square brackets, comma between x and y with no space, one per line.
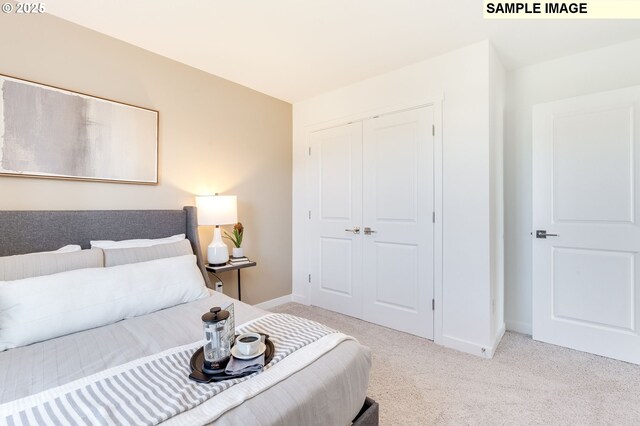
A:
[217,209]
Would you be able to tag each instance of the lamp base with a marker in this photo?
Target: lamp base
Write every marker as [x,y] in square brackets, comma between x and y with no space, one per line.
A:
[217,252]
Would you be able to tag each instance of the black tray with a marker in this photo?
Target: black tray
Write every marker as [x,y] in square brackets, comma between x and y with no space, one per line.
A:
[198,373]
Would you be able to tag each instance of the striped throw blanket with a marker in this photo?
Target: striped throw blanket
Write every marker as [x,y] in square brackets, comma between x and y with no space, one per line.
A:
[154,389]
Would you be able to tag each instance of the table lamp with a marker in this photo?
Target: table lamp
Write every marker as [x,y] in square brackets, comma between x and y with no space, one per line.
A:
[217,210]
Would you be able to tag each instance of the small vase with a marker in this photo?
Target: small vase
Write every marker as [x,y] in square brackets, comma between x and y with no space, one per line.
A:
[237,252]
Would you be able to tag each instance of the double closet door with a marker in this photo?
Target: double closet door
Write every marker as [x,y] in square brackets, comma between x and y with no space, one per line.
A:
[371,220]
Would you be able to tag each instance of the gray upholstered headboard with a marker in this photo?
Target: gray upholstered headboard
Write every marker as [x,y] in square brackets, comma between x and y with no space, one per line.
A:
[46,230]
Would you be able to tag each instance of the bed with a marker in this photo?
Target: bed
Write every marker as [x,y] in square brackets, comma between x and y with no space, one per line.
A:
[330,390]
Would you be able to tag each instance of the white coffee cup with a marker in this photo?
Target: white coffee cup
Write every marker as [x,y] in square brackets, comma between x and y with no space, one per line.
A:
[248,343]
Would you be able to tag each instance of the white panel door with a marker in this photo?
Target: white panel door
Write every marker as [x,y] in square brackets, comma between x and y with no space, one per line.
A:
[586,288]
[336,215]
[397,206]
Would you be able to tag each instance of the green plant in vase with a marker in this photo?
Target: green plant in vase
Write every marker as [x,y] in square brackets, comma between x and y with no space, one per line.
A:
[236,238]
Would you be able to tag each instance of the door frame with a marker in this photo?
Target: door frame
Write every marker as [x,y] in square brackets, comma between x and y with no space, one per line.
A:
[435,102]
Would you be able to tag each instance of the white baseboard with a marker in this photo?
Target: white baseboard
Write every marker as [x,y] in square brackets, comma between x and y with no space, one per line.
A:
[465,346]
[474,348]
[274,302]
[520,327]
[496,340]
[300,299]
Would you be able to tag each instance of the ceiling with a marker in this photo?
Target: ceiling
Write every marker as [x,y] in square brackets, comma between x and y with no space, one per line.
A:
[295,49]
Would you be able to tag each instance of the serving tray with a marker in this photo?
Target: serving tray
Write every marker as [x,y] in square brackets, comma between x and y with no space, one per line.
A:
[199,374]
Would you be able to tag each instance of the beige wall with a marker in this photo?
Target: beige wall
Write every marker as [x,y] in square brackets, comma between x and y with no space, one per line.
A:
[215,136]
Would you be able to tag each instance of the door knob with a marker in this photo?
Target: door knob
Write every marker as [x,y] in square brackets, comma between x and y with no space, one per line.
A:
[368,231]
[355,230]
[540,233]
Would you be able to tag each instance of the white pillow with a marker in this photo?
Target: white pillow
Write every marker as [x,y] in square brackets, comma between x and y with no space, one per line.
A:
[123,256]
[107,244]
[41,308]
[68,249]
[31,265]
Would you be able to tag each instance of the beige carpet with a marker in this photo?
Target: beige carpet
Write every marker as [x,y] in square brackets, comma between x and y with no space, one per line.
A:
[417,382]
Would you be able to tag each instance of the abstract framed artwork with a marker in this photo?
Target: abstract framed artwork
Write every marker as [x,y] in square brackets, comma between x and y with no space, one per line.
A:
[49,132]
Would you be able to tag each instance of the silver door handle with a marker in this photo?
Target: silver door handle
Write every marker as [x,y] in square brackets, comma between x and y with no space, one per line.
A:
[355,230]
[368,231]
[541,233]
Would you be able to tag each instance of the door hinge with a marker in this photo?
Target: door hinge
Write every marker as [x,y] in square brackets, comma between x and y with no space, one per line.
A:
[309,214]
[433,217]
[433,130]
[309,278]
[309,151]
[433,304]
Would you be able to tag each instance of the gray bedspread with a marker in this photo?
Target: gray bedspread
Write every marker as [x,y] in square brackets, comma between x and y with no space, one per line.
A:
[329,391]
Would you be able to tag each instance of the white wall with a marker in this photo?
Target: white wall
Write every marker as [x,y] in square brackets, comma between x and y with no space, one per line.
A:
[497,100]
[462,77]
[594,71]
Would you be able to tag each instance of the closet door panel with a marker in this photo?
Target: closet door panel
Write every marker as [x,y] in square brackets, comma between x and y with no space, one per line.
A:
[336,211]
[397,207]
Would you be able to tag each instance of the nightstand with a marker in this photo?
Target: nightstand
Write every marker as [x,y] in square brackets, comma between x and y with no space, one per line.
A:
[230,267]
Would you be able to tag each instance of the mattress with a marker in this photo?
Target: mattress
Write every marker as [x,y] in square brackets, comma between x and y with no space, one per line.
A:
[331,390]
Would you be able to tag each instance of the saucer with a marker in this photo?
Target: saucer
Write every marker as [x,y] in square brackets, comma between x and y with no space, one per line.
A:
[236,353]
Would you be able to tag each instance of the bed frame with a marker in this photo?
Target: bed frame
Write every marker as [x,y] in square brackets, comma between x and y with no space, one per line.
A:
[34,231]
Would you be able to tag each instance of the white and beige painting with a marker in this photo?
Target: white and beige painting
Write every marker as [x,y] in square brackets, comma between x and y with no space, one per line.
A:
[48,132]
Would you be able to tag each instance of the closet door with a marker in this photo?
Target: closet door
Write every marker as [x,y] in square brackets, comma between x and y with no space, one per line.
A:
[397,207]
[335,217]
